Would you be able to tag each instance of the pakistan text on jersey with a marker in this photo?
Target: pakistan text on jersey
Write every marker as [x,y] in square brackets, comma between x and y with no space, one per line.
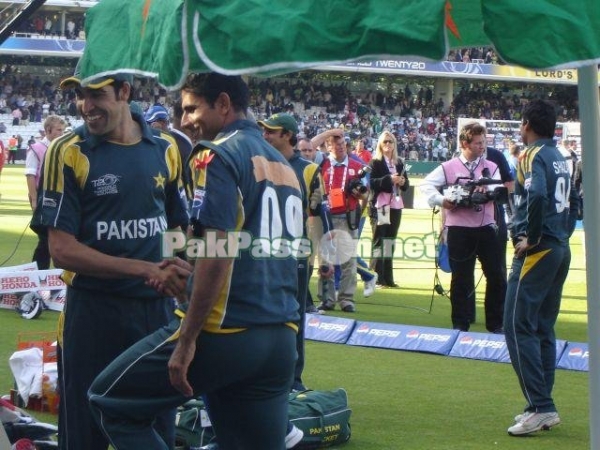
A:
[130,229]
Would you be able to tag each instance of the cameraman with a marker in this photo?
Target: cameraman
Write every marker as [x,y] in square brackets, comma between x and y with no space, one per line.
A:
[345,189]
[472,229]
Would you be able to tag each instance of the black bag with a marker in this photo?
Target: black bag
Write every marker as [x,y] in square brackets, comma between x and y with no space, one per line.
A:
[323,416]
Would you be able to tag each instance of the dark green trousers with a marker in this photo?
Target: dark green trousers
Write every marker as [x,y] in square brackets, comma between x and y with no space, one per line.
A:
[245,376]
[98,327]
[532,306]
[303,271]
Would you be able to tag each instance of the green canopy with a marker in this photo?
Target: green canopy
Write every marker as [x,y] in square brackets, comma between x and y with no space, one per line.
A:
[168,38]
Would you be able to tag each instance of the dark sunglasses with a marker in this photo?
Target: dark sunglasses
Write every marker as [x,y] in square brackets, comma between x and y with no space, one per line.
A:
[388,142]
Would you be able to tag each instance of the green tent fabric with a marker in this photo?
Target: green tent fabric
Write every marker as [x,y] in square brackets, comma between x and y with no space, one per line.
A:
[168,38]
[544,33]
[532,34]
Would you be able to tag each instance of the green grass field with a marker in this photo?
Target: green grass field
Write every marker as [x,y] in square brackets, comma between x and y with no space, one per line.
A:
[400,400]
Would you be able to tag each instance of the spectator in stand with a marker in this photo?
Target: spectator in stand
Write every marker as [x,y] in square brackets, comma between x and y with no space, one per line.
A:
[70,29]
[17,114]
[388,180]
[54,127]
[362,152]
[413,153]
[24,116]
[38,24]
[13,147]
[48,26]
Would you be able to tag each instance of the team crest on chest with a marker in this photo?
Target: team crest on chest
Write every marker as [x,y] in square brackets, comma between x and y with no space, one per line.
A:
[106,185]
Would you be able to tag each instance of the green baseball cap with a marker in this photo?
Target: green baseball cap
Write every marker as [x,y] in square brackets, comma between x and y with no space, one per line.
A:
[280,122]
[95,83]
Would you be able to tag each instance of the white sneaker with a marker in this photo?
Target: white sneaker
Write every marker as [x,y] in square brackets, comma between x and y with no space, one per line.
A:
[520,417]
[370,286]
[293,437]
[532,422]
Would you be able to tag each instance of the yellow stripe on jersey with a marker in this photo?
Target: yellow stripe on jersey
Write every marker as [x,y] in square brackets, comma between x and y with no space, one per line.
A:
[79,163]
[198,167]
[277,173]
[241,216]
[67,276]
[54,161]
[173,158]
[60,328]
[310,171]
[312,180]
[531,261]
[64,151]
[525,163]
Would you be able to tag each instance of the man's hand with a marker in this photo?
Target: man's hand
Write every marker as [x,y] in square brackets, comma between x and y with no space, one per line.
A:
[357,194]
[326,271]
[447,204]
[316,198]
[171,278]
[336,132]
[179,364]
[522,246]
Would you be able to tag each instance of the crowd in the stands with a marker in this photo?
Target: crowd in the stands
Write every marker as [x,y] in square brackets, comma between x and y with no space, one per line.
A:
[424,125]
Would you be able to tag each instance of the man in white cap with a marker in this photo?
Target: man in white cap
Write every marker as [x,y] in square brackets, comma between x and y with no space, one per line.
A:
[157,117]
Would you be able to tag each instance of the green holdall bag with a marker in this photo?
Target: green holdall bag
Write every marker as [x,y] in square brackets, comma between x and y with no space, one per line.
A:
[192,426]
[323,416]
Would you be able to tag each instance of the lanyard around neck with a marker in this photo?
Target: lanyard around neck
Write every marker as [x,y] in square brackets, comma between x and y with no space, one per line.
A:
[331,172]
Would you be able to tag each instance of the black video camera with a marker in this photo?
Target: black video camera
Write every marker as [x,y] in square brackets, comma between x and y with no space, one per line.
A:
[465,195]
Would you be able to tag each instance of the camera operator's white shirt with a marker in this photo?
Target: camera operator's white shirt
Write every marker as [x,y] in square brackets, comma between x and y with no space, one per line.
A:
[32,163]
[436,179]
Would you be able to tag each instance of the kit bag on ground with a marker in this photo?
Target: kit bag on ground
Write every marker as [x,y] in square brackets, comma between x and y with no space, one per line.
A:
[192,425]
[323,416]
